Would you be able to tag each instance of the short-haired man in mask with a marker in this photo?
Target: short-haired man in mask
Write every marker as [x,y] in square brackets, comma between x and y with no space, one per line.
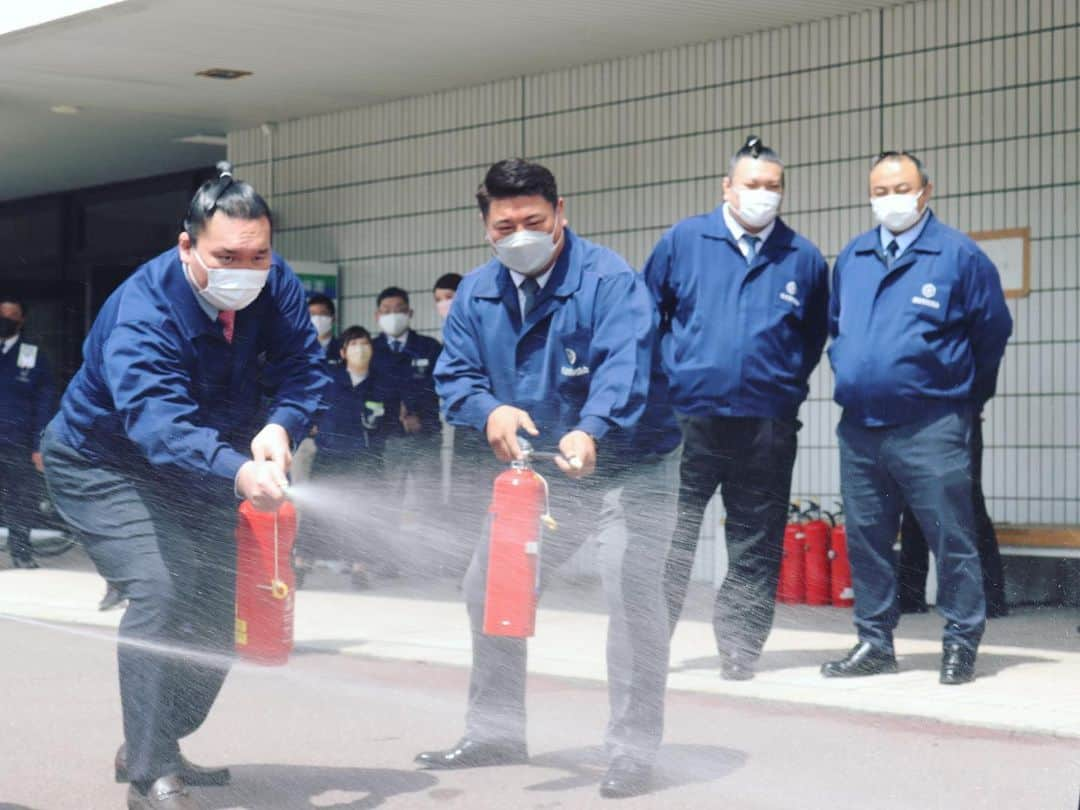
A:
[743,303]
[554,338]
[919,325]
[322,311]
[158,436]
[404,361]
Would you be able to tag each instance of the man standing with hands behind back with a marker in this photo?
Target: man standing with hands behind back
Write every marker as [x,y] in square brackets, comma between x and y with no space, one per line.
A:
[919,326]
[152,447]
[744,305]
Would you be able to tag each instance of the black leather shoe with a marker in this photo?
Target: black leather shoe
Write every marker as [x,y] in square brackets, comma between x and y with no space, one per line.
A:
[190,773]
[625,778]
[24,562]
[914,607]
[472,754]
[167,793]
[957,664]
[864,659]
[996,610]
[736,668]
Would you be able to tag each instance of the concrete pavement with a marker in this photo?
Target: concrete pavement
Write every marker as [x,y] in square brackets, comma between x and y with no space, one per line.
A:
[1028,671]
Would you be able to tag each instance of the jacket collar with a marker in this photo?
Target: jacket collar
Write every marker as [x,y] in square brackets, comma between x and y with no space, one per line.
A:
[931,240]
[494,280]
[190,315]
[780,241]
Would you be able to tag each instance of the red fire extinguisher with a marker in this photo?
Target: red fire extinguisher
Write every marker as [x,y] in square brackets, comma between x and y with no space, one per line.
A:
[518,515]
[791,588]
[816,531]
[843,595]
[265,584]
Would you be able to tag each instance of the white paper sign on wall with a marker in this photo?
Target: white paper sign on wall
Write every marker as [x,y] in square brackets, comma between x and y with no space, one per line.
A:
[1010,251]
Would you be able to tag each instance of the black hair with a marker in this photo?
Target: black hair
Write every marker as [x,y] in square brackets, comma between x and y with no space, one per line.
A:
[232,197]
[891,154]
[392,292]
[14,299]
[447,281]
[754,148]
[516,177]
[318,299]
[354,333]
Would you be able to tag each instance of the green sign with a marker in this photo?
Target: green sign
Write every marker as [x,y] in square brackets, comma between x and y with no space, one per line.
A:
[321,283]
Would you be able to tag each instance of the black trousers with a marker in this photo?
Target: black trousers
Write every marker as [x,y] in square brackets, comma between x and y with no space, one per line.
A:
[914,562]
[19,488]
[173,555]
[751,460]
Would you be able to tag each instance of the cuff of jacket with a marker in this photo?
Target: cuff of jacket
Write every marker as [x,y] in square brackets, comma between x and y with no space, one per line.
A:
[296,422]
[478,408]
[227,464]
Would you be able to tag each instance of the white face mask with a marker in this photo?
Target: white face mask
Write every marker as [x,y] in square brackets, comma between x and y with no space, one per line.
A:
[358,356]
[394,324]
[897,212]
[758,206]
[527,252]
[443,307]
[230,288]
[323,324]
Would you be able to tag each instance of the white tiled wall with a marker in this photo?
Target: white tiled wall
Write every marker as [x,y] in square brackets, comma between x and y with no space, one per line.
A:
[987,92]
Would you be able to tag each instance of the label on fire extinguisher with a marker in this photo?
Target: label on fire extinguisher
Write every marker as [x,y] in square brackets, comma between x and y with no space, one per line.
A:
[241,632]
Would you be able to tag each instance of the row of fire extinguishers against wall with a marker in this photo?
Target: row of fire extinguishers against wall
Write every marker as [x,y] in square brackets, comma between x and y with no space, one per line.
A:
[814,570]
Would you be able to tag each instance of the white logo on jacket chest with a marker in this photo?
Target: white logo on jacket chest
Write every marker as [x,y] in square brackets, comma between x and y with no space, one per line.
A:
[789,293]
[573,370]
[927,298]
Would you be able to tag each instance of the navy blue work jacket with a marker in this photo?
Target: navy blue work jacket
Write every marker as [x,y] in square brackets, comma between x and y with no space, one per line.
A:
[918,339]
[582,359]
[408,375]
[738,339]
[159,382]
[27,395]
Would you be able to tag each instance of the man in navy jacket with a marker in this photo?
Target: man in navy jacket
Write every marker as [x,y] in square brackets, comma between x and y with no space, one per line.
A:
[554,337]
[152,447]
[743,301]
[27,400]
[919,325]
[404,362]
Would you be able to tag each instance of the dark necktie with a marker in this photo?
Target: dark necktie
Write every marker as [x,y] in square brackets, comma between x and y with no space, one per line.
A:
[891,250]
[395,346]
[751,243]
[529,288]
[227,318]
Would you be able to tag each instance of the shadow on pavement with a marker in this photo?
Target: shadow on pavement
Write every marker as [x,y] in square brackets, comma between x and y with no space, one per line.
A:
[5,806]
[676,765]
[288,787]
[988,663]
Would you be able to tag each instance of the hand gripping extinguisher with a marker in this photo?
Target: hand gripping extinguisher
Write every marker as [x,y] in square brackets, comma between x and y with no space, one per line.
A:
[518,514]
[791,588]
[843,595]
[816,544]
[265,584]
